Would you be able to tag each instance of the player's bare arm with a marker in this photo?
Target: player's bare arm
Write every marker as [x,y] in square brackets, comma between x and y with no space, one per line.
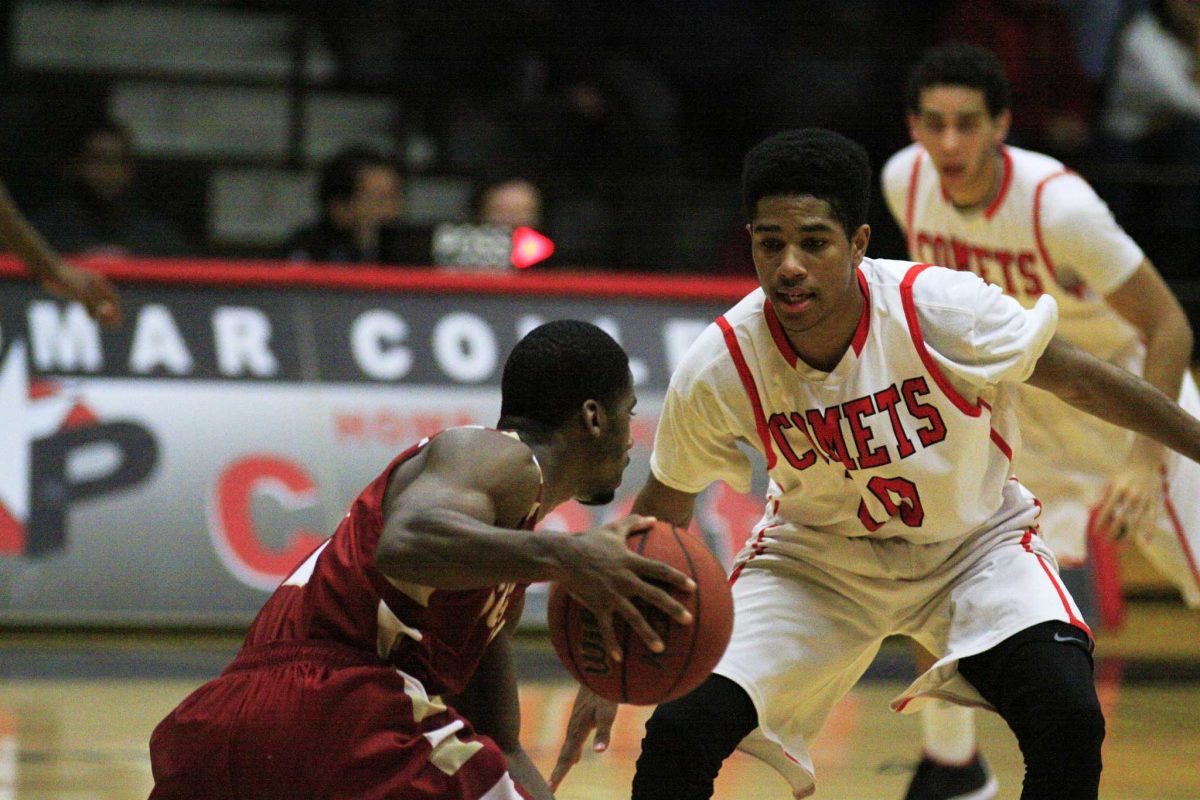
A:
[590,711]
[1132,498]
[491,702]
[1115,395]
[658,500]
[57,276]
[448,524]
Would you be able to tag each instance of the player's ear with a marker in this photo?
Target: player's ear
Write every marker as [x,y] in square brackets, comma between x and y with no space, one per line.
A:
[859,242]
[1003,123]
[594,417]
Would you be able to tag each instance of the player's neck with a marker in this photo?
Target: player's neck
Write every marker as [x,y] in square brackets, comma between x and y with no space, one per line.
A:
[982,195]
[823,349]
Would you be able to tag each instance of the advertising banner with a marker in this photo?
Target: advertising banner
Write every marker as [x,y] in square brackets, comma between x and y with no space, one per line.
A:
[173,470]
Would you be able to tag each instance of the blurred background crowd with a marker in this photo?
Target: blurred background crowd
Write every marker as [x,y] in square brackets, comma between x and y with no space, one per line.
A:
[339,131]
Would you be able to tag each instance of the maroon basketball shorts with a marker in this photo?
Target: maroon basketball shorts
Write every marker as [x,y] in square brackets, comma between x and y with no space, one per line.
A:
[289,721]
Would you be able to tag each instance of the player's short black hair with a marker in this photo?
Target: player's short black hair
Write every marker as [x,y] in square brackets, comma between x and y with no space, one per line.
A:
[959,64]
[558,366]
[810,161]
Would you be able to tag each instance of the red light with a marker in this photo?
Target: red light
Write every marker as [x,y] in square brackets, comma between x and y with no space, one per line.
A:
[530,247]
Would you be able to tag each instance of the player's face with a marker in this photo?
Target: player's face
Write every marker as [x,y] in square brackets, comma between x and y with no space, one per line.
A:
[952,123]
[614,446]
[806,265]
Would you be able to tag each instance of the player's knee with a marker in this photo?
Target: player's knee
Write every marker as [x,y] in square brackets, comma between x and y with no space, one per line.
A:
[688,739]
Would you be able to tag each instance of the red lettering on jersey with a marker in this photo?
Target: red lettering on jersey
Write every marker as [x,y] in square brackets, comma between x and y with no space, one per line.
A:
[1033,282]
[855,410]
[1006,259]
[886,400]
[912,389]
[777,423]
[827,434]
[962,256]
[234,531]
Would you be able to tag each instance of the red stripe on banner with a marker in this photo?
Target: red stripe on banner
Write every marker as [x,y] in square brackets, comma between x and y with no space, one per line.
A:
[914,328]
[1058,587]
[743,370]
[426,280]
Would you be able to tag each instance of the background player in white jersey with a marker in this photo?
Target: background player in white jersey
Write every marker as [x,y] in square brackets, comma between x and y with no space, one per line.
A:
[381,667]
[1024,222]
[57,276]
[879,393]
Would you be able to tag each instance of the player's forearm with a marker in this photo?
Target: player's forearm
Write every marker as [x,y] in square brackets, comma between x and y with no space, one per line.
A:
[524,772]
[656,499]
[1168,351]
[1118,396]
[20,237]
[450,550]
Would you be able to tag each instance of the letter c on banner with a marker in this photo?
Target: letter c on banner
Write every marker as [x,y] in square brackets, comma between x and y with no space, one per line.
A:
[231,519]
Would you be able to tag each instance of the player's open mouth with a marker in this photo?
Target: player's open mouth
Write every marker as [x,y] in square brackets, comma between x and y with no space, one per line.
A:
[793,299]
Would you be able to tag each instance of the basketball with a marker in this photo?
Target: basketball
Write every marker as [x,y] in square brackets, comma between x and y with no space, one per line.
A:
[691,651]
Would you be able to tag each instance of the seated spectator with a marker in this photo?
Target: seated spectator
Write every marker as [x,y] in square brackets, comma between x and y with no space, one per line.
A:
[1152,117]
[504,230]
[362,205]
[99,211]
[514,201]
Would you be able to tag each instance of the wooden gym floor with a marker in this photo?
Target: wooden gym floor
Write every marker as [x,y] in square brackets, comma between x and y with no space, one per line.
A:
[76,711]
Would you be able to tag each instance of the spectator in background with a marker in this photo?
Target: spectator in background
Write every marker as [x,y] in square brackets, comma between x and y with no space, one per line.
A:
[1052,98]
[513,201]
[362,204]
[57,276]
[1152,117]
[99,212]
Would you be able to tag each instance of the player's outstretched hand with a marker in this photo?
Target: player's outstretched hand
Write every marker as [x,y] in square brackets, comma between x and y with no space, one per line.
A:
[1131,501]
[89,288]
[603,574]
[590,712]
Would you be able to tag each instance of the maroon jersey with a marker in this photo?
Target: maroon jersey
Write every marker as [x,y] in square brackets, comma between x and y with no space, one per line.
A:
[337,594]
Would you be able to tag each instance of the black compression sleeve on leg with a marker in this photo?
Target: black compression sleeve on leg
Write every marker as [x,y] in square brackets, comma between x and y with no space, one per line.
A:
[688,739]
[1040,681]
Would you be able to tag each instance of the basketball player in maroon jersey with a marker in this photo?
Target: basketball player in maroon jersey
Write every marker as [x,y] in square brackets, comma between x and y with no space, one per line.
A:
[381,667]
[57,276]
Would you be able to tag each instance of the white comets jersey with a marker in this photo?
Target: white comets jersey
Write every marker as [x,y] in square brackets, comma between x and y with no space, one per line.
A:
[1046,232]
[910,435]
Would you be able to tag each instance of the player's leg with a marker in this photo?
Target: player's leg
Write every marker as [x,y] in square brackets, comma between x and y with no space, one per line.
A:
[688,739]
[800,642]
[1040,681]
[950,767]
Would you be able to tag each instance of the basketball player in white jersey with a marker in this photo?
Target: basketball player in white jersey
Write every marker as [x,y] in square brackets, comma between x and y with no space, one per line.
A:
[58,277]
[1028,225]
[880,395]
[381,667]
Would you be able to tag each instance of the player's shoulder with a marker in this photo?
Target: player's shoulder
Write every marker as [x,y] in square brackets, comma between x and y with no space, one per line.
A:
[709,352]
[1040,172]
[897,170]
[927,284]
[488,447]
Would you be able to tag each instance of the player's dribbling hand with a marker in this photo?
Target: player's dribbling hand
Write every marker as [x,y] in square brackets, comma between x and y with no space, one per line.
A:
[603,574]
[589,712]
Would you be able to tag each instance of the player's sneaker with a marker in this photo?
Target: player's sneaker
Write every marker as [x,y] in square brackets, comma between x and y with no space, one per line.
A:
[934,781]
